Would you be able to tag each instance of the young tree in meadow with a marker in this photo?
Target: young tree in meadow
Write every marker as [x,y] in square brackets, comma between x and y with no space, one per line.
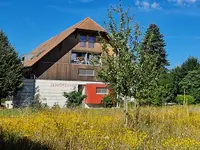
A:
[123,69]
[118,69]
[10,68]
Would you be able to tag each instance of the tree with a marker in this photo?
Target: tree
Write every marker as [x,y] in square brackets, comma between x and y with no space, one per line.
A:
[180,72]
[153,43]
[10,68]
[124,70]
[164,93]
[185,99]
[74,98]
[191,84]
[192,63]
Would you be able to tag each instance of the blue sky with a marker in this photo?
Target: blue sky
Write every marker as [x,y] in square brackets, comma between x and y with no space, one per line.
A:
[29,23]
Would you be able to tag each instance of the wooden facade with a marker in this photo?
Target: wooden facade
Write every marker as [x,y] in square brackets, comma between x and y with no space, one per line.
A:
[56,65]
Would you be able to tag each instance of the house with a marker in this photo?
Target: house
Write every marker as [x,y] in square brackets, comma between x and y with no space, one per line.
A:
[68,61]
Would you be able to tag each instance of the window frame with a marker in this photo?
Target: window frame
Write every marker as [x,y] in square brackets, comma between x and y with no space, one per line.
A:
[83,42]
[101,93]
[86,75]
[91,41]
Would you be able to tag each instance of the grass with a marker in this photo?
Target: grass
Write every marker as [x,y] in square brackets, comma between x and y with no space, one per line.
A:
[103,129]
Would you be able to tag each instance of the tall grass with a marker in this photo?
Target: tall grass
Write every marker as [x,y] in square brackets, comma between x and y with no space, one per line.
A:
[149,128]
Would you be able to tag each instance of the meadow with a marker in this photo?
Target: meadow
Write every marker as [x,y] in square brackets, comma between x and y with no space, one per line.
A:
[150,128]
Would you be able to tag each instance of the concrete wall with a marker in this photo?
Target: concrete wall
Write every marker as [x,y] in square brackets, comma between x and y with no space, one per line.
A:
[25,96]
[50,92]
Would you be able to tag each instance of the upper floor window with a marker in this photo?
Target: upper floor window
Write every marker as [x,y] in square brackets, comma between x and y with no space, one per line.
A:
[83,39]
[91,41]
[86,58]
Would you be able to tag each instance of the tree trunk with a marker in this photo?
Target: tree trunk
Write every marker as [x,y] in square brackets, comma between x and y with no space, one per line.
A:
[126,123]
[118,103]
[125,112]
[136,113]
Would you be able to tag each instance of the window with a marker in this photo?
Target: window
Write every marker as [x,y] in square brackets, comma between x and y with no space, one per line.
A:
[85,58]
[83,39]
[94,59]
[91,41]
[79,58]
[86,72]
[100,90]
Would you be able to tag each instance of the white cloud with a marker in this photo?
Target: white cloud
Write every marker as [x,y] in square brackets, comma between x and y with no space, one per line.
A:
[184,2]
[145,5]
[155,5]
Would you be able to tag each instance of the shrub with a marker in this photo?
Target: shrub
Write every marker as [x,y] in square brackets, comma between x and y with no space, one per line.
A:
[56,106]
[108,101]
[37,102]
[3,100]
[74,98]
[189,99]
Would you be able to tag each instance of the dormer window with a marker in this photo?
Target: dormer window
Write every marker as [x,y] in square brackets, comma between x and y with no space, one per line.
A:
[83,39]
[91,41]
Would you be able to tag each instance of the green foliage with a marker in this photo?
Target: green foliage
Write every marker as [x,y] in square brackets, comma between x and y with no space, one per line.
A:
[74,98]
[190,64]
[128,71]
[148,78]
[191,84]
[37,102]
[157,85]
[3,100]
[180,72]
[117,68]
[153,43]
[108,102]
[10,68]
[56,106]
[188,99]
[164,92]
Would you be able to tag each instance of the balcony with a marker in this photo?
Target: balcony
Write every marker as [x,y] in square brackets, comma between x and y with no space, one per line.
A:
[86,58]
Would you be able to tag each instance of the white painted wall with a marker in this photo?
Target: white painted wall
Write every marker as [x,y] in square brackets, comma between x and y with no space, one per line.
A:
[9,104]
[51,91]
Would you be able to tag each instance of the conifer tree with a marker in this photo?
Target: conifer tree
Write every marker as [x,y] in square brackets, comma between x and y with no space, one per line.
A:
[10,68]
[153,43]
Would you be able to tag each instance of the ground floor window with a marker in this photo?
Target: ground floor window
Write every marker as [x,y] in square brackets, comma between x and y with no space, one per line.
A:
[101,90]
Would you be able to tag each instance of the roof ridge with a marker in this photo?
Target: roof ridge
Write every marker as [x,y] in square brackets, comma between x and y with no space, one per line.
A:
[88,18]
[81,22]
[97,23]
